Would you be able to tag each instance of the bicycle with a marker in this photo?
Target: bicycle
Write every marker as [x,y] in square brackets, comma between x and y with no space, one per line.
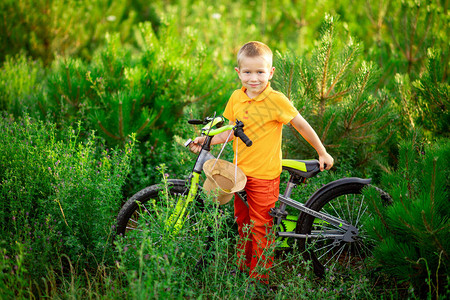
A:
[328,227]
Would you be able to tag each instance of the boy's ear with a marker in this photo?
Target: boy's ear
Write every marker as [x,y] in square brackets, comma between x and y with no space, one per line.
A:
[238,71]
[271,73]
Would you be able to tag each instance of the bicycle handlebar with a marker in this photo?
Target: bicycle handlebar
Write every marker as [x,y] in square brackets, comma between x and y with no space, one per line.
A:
[239,132]
[218,122]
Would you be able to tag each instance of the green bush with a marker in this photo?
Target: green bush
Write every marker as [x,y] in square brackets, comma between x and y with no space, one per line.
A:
[121,91]
[413,232]
[48,29]
[58,197]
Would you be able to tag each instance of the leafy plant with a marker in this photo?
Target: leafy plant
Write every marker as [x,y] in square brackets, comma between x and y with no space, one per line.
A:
[20,78]
[58,196]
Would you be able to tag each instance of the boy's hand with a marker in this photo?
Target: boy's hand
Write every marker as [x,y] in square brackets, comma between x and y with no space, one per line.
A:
[326,159]
[196,145]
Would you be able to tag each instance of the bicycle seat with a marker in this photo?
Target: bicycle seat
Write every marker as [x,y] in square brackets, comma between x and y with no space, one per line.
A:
[303,168]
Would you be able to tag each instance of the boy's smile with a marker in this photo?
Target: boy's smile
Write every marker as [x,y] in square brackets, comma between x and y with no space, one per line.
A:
[254,73]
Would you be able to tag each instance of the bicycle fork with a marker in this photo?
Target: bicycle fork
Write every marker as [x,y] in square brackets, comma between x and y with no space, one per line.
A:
[176,220]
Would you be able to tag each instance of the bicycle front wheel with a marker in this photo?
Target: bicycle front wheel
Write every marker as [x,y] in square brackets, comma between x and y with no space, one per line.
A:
[324,249]
[149,206]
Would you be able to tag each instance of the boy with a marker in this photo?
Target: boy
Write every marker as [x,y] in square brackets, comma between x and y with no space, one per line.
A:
[263,112]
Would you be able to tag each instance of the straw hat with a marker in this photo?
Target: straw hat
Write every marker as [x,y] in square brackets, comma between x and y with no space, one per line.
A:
[223,178]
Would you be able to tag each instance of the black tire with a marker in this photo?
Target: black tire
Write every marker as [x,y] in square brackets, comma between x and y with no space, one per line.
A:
[147,201]
[346,202]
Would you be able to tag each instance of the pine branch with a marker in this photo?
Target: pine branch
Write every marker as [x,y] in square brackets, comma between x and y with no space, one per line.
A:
[133,108]
[347,124]
[341,71]
[411,40]
[370,122]
[211,91]
[77,100]
[65,97]
[106,131]
[408,180]
[380,237]
[394,39]
[143,126]
[304,78]
[341,93]
[363,137]
[419,46]
[363,86]
[370,13]
[69,83]
[291,77]
[326,62]
[433,186]
[388,137]
[121,121]
[325,132]
[158,116]
[432,233]
[325,72]
[380,215]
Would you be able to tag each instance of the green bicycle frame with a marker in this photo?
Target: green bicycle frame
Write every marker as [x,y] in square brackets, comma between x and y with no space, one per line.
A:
[176,219]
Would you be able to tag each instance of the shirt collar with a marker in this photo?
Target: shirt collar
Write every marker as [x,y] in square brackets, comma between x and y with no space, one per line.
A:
[260,97]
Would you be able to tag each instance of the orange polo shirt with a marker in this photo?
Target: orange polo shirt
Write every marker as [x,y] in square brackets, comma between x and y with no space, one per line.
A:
[263,119]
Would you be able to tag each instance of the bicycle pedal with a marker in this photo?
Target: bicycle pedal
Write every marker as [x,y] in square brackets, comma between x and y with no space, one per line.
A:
[277,213]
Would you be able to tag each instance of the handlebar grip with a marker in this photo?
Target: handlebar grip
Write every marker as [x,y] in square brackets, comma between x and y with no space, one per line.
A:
[195,122]
[239,132]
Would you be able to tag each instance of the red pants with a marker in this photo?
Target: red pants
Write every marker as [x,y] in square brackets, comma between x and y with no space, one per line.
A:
[254,223]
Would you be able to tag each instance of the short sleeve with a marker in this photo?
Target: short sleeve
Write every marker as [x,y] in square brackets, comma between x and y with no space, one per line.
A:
[287,110]
[229,110]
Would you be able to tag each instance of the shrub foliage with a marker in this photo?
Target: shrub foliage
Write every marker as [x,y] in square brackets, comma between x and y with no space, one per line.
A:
[58,197]
[413,232]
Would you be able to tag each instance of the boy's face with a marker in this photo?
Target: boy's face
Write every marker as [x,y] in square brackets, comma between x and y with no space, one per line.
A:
[255,73]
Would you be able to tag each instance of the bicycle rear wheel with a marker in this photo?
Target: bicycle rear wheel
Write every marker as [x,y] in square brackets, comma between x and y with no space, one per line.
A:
[345,202]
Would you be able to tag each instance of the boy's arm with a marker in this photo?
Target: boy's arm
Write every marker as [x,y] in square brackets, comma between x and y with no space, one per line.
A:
[311,137]
[221,138]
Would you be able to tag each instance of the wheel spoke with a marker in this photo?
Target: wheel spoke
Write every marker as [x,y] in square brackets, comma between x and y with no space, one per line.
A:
[326,246]
[349,211]
[134,221]
[339,252]
[362,214]
[335,211]
[326,228]
[133,228]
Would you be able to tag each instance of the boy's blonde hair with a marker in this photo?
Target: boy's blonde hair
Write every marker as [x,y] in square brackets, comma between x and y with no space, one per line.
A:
[254,49]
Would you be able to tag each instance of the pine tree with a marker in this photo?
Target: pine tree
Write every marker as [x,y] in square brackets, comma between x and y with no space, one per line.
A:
[333,90]
[413,26]
[413,232]
[433,94]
